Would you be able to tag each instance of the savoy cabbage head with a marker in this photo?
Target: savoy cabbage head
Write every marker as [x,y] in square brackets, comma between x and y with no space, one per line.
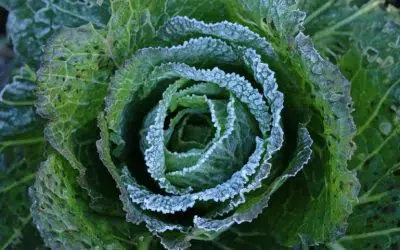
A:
[190,124]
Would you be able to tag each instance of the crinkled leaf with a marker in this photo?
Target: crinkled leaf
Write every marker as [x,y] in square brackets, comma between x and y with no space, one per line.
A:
[180,28]
[120,174]
[31,23]
[134,23]
[323,15]
[326,189]
[17,114]
[18,166]
[258,200]
[21,148]
[224,157]
[73,81]
[332,23]
[278,17]
[61,212]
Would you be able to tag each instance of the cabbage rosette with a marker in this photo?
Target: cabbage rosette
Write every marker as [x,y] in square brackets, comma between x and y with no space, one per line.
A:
[184,127]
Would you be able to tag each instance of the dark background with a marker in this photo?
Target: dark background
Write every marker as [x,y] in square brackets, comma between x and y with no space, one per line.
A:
[6,53]
[3,19]
[394,2]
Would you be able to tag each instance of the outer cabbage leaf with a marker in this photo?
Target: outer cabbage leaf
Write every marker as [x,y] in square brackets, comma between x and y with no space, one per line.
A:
[76,69]
[31,22]
[279,18]
[21,146]
[18,169]
[29,26]
[324,14]
[370,47]
[71,224]
[372,65]
[133,23]
[17,114]
[331,23]
[329,191]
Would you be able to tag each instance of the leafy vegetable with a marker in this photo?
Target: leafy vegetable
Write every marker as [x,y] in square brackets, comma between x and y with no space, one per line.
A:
[218,124]
[201,184]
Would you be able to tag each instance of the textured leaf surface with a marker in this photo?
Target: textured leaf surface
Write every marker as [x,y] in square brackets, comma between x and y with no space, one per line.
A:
[72,85]
[368,56]
[61,212]
[322,15]
[328,192]
[31,23]
[134,23]
[17,115]
[372,64]
[279,16]
[332,23]
[21,148]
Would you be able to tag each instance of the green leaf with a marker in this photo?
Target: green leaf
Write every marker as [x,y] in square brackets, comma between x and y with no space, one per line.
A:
[18,168]
[178,29]
[331,23]
[61,212]
[29,26]
[73,82]
[217,165]
[120,175]
[17,115]
[31,23]
[323,14]
[21,148]
[134,23]
[326,189]
[281,18]
[373,69]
